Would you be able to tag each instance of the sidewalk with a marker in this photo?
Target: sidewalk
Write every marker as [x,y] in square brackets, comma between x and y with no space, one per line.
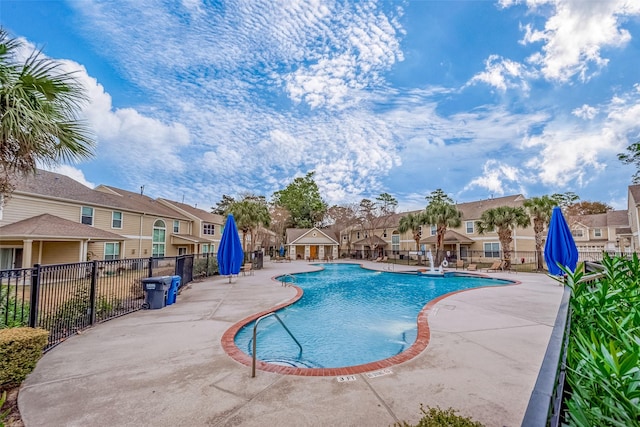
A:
[167,368]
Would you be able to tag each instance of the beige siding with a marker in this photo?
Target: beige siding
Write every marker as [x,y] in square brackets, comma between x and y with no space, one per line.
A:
[60,252]
[18,208]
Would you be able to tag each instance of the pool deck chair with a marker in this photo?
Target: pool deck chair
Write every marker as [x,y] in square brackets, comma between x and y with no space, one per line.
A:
[472,267]
[496,266]
[378,259]
[246,269]
[459,264]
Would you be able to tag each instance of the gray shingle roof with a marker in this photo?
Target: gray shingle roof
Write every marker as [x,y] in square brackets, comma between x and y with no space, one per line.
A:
[197,212]
[53,185]
[51,226]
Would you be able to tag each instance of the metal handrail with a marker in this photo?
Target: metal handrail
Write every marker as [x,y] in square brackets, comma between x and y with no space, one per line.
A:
[293,279]
[255,327]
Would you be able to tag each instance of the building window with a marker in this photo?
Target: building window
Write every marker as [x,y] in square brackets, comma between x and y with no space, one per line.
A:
[344,237]
[384,233]
[597,232]
[492,250]
[420,230]
[577,232]
[116,219]
[182,250]
[209,229]
[87,215]
[434,230]
[395,243]
[358,235]
[469,225]
[112,251]
[205,249]
[176,226]
[159,238]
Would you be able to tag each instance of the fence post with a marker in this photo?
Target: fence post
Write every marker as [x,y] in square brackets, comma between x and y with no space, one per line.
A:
[35,292]
[92,292]
[150,267]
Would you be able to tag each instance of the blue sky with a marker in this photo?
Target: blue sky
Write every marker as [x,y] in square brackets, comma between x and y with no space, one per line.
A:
[198,98]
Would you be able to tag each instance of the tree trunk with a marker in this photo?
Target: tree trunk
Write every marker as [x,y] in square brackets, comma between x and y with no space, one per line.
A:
[505,240]
[538,227]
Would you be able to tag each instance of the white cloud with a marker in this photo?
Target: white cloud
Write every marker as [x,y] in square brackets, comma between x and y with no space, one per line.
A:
[503,74]
[575,35]
[497,178]
[585,112]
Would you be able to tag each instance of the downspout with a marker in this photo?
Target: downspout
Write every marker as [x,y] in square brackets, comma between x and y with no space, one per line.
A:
[637,233]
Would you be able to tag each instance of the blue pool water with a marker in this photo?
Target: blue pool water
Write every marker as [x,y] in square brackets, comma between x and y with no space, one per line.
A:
[350,316]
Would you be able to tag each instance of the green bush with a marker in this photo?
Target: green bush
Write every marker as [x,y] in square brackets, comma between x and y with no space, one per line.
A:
[436,417]
[603,369]
[20,350]
[12,312]
[201,269]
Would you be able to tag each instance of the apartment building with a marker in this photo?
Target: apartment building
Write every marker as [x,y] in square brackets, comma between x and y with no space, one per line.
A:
[51,218]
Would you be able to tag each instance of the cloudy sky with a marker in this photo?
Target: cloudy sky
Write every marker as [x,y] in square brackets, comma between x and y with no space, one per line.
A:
[198,98]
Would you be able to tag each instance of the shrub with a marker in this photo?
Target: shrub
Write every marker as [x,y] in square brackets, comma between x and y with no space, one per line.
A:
[13,312]
[20,350]
[436,417]
[603,369]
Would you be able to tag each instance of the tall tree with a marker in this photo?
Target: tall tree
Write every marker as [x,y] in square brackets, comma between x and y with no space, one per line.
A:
[223,205]
[540,208]
[279,220]
[39,114]
[587,208]
[632,157]
[376,215]
[505,219]
[302,199]
[341,219]
[565,199]
[249,215]
[413,222]
[442,213]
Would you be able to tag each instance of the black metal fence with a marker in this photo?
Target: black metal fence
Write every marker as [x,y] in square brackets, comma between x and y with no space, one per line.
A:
[66,298]
[524,261]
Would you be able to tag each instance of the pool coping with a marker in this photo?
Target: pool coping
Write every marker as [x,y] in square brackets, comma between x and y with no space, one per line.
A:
[423,337]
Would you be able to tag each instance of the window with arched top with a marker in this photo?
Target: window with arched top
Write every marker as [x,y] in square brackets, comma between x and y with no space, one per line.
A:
[159,238]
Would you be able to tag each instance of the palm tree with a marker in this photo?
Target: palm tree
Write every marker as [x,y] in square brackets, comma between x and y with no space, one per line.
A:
[505,219]
[540,208]
[442,213]
[249,214]
[413,222]
[39,107]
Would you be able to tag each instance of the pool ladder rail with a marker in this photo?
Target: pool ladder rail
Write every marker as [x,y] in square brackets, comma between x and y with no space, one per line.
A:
[255,328]
[290,282]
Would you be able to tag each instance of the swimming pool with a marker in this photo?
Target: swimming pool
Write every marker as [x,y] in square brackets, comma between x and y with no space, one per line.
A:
[350,316]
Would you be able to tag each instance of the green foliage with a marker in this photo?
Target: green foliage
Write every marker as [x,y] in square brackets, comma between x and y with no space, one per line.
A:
[302,199]
[603,368]
[540,210]
[20,350]
[504,219]
[442,213]
[73,314]
[39,109]
[12,311]
[3,415]
[201,269]
[565,199]
[436,417]
[632,157]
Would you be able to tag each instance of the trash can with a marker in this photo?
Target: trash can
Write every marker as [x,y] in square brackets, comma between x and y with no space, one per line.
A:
[172,293]
[155,291]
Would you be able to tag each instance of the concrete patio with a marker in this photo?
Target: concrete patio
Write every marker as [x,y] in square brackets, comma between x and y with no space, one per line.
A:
[167,367]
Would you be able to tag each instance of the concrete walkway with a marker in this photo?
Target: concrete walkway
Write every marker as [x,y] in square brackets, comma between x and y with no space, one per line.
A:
[167,367]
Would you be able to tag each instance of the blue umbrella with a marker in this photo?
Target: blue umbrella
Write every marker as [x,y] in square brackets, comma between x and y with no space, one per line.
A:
[560,248]
[230,254]
[281,250]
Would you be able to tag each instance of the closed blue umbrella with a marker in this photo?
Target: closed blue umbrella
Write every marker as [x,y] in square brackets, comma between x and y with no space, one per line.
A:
[560,248]
[281,250]
[230,254]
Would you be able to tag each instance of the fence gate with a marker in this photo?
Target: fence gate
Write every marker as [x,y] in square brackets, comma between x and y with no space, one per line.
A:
[184,268]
